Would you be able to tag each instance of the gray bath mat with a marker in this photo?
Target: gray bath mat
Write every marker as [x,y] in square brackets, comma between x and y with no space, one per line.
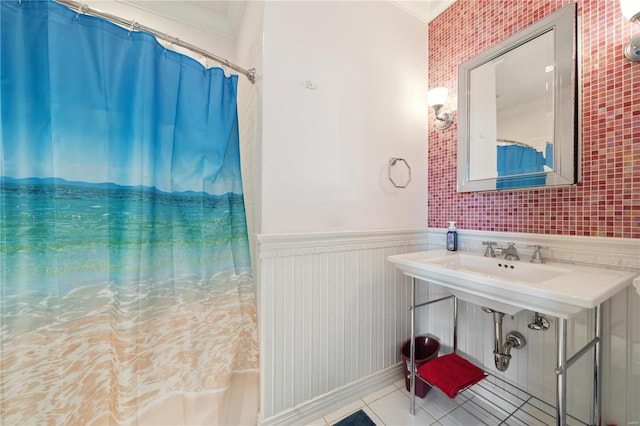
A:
[359,418]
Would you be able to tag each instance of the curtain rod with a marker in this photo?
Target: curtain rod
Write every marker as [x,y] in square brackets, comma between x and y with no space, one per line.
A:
[84,9]
[509,141]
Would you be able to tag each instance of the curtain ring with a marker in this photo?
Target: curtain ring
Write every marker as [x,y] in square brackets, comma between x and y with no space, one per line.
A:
[81,9]
[205,61]
[225,65]
[166,43]
[133,27]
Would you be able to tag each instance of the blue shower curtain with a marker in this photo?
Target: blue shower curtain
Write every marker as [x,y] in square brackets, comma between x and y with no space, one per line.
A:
[125,289]
[520,167]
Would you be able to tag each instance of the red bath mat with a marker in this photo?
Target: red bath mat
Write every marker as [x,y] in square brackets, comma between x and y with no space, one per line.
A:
[451,374]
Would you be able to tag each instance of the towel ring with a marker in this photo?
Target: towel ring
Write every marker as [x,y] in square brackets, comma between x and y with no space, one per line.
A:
[392,162]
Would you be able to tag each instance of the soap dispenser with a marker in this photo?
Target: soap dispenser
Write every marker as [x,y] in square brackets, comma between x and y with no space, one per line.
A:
[452,237]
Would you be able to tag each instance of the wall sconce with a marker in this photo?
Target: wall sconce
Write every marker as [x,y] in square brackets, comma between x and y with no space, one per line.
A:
[631,11]
[436,98]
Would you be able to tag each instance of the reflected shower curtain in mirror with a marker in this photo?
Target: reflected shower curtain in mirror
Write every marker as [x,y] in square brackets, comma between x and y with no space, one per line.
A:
[126,292]
[520,166]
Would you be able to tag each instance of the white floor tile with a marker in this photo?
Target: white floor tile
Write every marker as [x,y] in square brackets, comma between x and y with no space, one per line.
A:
[437,404]
[485,412]
[506,401]
[379,394]
[318,422]
[372,415]
[531,417]
[504,389]
[393,410]
[543,413]
[400,384]
[460,417]
[514,421]
[343,412]
[491,404]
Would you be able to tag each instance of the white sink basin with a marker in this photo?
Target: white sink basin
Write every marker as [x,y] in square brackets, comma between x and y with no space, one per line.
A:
[561,290]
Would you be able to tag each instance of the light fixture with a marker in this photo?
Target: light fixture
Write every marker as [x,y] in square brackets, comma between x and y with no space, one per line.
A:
[437,98]
[631,11]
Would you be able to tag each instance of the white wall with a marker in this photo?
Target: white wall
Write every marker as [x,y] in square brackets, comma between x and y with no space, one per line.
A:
[325,150]
[249,53]
[330,324]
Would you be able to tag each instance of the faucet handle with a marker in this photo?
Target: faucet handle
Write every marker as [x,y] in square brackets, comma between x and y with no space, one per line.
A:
[537,256]
[489,252]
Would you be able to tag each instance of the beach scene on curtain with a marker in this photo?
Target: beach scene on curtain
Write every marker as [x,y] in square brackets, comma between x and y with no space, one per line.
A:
[124,261]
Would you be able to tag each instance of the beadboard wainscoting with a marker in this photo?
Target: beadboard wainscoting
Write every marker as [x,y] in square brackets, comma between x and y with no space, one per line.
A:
[333,312]
[332,315]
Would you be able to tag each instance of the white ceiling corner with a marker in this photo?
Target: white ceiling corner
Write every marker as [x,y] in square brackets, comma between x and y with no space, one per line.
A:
[223,17]
[424,10]
[218,17]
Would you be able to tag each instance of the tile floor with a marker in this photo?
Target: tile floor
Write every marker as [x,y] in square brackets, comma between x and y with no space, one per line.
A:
[490,402]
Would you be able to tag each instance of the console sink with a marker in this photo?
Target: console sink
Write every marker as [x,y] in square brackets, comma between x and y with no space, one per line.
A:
[561,290]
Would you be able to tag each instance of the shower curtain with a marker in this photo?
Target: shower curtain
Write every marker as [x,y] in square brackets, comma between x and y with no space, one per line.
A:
[521,166]
[125,287]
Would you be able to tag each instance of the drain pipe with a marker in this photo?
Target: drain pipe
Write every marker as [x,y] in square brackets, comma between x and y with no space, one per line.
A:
[514,340]
[500,361]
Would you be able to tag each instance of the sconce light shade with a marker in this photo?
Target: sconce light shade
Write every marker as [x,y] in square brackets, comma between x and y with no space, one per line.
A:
[631,10]
[436,98]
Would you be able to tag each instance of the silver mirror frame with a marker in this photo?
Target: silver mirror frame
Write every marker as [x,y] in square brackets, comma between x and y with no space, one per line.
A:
[564,23]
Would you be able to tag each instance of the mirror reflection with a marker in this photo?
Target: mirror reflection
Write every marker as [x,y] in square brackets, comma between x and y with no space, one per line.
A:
[511,114]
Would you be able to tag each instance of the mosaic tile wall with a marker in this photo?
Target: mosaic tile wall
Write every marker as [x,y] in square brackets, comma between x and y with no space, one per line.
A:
[606,202]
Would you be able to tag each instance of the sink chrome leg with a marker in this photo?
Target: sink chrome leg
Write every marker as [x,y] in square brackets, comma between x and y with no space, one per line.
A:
[455,324]
[561,374]
[597,364]
[412,343]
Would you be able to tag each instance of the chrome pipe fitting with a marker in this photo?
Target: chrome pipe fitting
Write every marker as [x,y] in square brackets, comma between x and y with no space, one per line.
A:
[539,323]
[502,351]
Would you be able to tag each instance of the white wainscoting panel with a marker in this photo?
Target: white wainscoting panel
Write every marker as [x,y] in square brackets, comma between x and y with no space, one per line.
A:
[333,312]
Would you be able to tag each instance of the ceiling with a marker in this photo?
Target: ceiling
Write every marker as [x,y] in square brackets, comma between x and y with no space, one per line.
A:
[222,17]
[425,10]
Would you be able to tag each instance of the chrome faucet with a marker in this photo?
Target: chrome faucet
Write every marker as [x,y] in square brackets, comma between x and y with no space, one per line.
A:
[510,252]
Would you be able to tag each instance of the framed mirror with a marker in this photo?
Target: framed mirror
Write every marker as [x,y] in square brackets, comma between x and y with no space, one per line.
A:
[518,109]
